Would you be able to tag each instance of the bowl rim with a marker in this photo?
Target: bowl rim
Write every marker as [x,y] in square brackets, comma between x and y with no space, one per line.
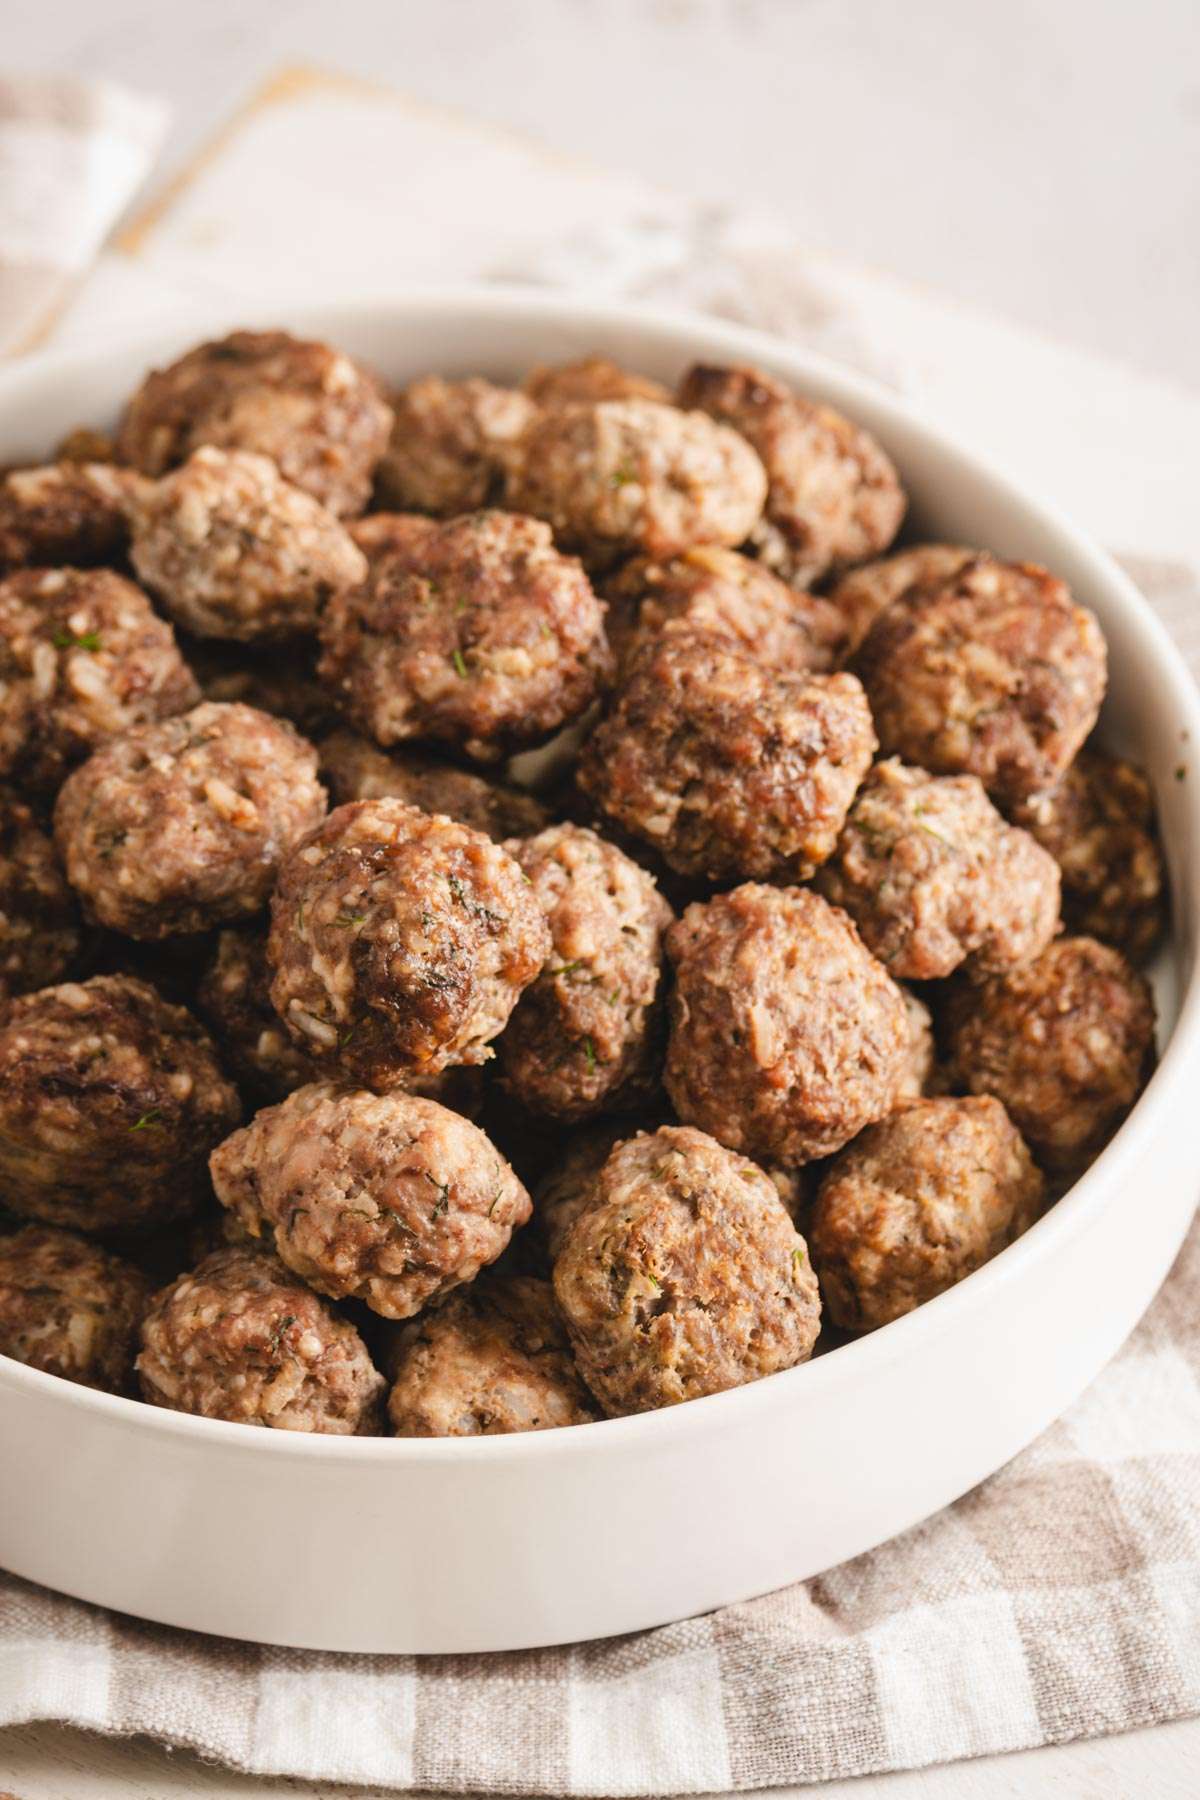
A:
[1070,1217]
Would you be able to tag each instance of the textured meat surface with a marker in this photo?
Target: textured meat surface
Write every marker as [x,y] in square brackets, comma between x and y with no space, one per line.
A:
[66,512]
[110,1101]
[684,1277]
[358,770]
[787,1036]
[862,594]
[400,942]
[237,1338]
[590,378]
[450,444]
[917,1202]
[387,1198]
[319,417]
[181,826]
[40,935]
[995,672]
[727,768]
[587,1036]
[70,1308]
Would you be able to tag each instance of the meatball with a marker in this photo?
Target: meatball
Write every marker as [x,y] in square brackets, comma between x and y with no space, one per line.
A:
[920,1066]
[591,378]
[477,634]
[787,1037]
[319,417]
[387,1198]
[863,594]
[280,679]
[237,1338]
[586,1037]
[917,1202]
[401,941]
[40,935]
[627,475]
[70,1308]
[180,826]
[67,512]
[684,1277]
[994,672]
[83,657]
[732,596]
[494,1358]
[1099,826]
[450,445]
[834,498]
[568,1187]
[357,770]
[726,767]
[1065,1041]
[234,551]
[110,1101]
[933,876]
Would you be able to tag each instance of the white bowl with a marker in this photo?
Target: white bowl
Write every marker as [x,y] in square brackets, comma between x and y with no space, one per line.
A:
[507,1542]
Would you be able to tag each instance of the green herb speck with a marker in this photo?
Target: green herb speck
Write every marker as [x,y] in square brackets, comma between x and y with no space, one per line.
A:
[148,1120]
[459,662]
[87,640]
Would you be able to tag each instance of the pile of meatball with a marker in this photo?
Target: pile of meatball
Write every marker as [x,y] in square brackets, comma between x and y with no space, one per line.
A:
[349,1083]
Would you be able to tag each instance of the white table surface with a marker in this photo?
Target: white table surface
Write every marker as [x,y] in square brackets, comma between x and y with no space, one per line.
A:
[1060,142]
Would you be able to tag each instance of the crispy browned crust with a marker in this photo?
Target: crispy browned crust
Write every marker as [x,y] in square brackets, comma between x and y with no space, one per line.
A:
[70,1308]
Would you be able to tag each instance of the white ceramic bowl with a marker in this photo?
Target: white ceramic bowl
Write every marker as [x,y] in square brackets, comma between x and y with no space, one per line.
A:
[506,1542]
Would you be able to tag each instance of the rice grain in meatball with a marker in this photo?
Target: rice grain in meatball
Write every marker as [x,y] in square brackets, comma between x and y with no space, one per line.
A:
[865,592]
[1065,1041]
[357,770]
[1099,826]
[586,1037]
[69,1308]
[591,378]
[237,1338]
[40,934]
[110,1101]
[83,658]
[66,512]
[634,475]
[685,1276]
[387,1198]
[787,1036]
[477,634]
[494,1358]
[834,497]
[995,672]
[401,941]
[727,768]
[916,1203]
[181,826]
[450,445]
[234,551]
[934,877]
[320,418]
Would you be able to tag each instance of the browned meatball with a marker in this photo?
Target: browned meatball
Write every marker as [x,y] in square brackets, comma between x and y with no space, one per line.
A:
[734,597]
[623,475]
[787,1037]
[1099,826]
[863,594]
[920,1066]
[70,1308]
[478,634]
[234,551]
[834,497]
[237,1338]
[591,378]
[110,1101]
[358,770]
[83,657]
[917,1202]
[67,512]
[1065,1041]
[401,941]
[180,826]
[726,767]
[450,445]
[684,1277]
[495,1358]
[388,1198]
[994,672]
[587,1036]
[40,935]
[280,679]
[84,444]
[313,411]
[568,1186]
[933,876]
